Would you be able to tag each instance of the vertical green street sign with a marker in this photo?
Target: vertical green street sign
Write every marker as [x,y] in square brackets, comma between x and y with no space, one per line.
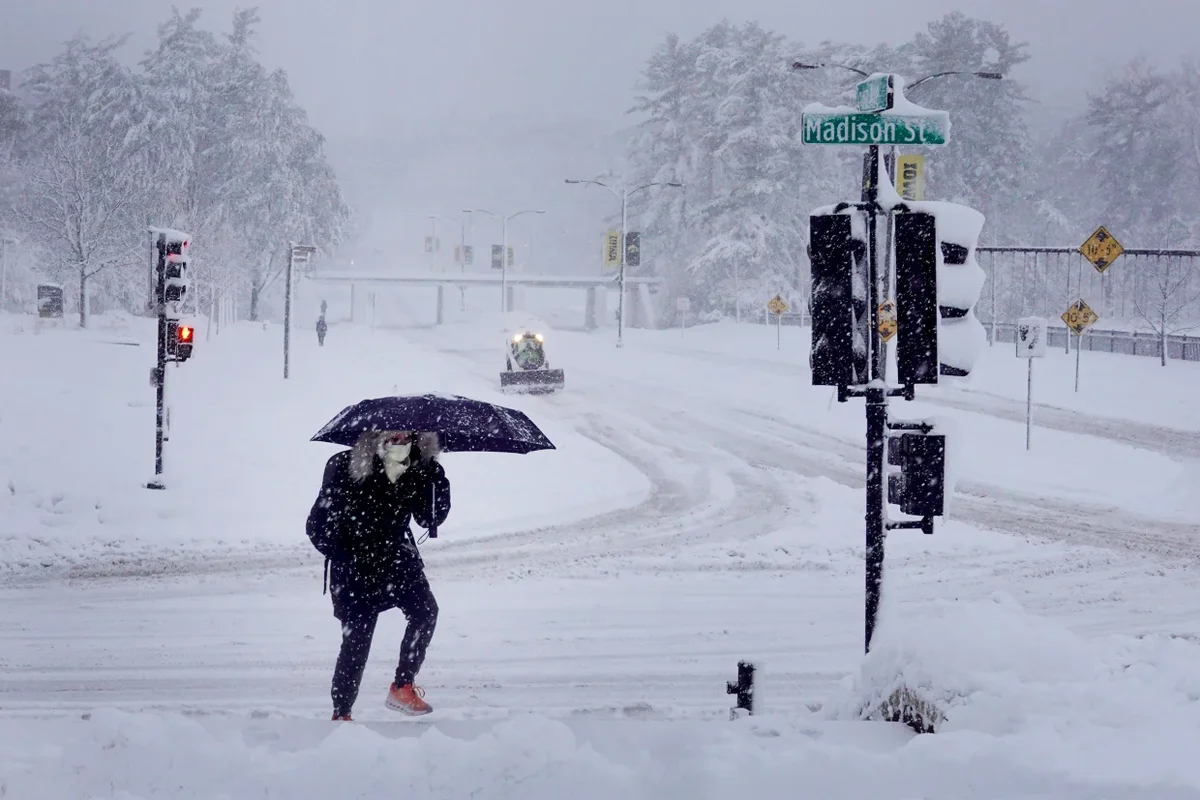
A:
[874,94]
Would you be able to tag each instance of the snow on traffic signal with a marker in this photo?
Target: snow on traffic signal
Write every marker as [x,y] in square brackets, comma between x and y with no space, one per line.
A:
[961,337]
[174,261]
[837,253]
[916,298]
[919,485]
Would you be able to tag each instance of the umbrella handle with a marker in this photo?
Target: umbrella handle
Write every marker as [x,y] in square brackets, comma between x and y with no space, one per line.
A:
[433,529]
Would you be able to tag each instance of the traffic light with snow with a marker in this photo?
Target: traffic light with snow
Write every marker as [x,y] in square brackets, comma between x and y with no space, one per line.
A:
[175,274]
[961,336]
[180,340]
[919,485]
[838,354]
[916,298]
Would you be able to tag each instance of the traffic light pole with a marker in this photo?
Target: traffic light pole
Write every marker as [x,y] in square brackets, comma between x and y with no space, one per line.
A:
[877,406]
[160,369]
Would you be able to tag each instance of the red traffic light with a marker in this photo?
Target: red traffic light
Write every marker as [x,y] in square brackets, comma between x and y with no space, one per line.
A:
[184,334]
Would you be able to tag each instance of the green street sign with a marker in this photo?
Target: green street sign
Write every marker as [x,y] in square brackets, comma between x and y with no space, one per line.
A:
[872,94]
[868,129]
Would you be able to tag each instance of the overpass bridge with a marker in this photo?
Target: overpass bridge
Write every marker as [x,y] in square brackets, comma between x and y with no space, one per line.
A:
[596,287]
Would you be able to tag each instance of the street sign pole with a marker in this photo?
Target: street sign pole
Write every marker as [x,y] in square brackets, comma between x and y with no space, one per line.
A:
[297,253]
[877,408]
[1079,347]
[287,308]
[779,331]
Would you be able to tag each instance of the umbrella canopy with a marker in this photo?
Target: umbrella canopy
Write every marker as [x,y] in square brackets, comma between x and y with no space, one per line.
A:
[462,424]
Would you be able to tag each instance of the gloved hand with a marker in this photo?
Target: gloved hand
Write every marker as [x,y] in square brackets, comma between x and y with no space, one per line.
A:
[428,445]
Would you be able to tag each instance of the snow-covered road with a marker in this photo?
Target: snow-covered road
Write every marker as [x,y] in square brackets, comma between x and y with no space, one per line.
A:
[700,509]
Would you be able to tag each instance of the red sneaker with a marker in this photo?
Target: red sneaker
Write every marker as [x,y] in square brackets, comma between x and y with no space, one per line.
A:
[407,700]
[342,718]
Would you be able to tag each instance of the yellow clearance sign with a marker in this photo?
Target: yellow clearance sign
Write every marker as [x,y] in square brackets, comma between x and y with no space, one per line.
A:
[910,177]
[612,249]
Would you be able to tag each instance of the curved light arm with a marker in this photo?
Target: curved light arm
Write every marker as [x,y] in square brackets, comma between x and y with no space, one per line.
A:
[614,192]
[672,184]
[991,76]
[446,219]
[526,211]
[802,65]
[481,211]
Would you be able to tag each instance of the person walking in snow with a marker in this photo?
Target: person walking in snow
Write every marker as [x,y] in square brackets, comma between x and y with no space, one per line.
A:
[322,327]
[361,522]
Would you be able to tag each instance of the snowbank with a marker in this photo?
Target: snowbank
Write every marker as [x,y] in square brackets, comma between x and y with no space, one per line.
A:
[989,667]
[534,758]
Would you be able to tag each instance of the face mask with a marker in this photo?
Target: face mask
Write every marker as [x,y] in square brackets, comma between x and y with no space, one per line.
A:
[396,452]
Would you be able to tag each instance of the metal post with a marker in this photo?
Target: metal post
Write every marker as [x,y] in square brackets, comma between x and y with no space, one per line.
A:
[779,331]
[1029,404]
[287,310]
[1067,343]
[737,293]
[160,368]
[621,298]
[462,244]
[876,397]
[994,279]
[504,266]
[3,271]
[1078,348]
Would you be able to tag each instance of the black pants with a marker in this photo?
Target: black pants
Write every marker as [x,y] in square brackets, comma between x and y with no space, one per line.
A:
[416,600]
[321,339]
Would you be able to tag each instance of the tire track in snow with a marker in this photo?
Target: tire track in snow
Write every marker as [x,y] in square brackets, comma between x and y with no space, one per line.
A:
[996,508]
[1170,442]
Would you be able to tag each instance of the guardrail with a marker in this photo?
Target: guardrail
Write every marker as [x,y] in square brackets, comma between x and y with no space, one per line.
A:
[1130,343]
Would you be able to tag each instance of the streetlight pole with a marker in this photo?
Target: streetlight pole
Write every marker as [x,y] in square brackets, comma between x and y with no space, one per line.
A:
[623,196]
[504,248]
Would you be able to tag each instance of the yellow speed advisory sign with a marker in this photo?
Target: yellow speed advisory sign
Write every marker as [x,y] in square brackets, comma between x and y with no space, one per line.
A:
[1102,249]
[1079,317]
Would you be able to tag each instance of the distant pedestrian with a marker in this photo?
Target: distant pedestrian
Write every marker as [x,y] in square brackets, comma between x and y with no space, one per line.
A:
[322,327]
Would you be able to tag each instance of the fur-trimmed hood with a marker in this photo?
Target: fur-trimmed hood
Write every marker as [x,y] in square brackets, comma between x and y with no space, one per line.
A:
[366,449]
[363,455]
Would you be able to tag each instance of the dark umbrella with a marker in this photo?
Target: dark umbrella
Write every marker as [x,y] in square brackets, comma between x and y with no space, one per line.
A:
[462,424]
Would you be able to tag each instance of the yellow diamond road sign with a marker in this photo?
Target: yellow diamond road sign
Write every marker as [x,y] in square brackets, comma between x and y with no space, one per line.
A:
[1079,317]
[1102,249]
[777,305]
[887,320]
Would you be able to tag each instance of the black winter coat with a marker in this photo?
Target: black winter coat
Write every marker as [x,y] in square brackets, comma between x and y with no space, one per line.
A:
[363,529]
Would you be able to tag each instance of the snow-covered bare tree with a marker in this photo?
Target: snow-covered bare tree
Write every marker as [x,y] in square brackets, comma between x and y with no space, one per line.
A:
[1168,292]
[82,187]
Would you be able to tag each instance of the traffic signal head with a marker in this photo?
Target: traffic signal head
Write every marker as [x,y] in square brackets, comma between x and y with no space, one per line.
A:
[919,485]
[180,340]
[174,263]
[837,252]
[916,299]
[937,285]
[961,337]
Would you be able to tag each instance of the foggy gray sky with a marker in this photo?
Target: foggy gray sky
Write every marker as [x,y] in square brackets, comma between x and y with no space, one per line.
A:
[367,67]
